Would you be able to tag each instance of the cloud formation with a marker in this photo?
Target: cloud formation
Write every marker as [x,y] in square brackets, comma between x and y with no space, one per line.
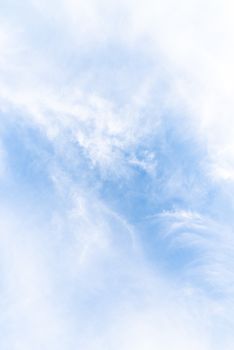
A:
[116,156]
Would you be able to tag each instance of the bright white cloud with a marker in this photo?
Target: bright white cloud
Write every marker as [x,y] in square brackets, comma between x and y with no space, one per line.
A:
[194,56]
[49,281]
[84,279]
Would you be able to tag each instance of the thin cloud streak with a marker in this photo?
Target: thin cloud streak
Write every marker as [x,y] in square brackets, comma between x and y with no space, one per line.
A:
[79,273]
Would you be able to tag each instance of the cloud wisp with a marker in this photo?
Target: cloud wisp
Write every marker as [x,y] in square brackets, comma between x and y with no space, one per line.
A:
[116,175]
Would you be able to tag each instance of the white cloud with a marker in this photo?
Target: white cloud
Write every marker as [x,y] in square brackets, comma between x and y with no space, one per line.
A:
[3,162]
[98,253]
[103,131]
[183,39]
[213,244]
[57,297]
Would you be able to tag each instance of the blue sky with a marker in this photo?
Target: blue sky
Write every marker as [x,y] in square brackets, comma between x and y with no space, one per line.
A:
[116,175]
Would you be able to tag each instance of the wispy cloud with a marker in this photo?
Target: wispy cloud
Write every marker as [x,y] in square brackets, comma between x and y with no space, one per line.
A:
[117,150]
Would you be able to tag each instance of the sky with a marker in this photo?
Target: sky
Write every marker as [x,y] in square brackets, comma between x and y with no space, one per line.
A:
[116,175]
